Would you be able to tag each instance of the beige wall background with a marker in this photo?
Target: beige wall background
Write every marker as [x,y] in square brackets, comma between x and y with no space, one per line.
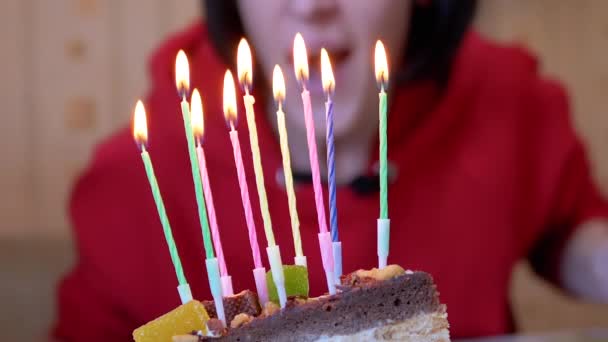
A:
[571,39]
[72,69]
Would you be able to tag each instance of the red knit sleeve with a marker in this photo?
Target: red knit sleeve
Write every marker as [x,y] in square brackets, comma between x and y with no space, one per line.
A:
[96,298]
[571,193]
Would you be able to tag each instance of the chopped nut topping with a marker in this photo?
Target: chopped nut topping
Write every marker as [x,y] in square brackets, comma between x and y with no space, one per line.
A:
[240,320]
[389,272]
[270,308]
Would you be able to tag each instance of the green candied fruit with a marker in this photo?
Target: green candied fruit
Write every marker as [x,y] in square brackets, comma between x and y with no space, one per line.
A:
[184,319]
[296,282]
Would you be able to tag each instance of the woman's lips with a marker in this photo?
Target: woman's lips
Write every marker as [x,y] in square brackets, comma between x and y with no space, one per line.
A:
[338,58]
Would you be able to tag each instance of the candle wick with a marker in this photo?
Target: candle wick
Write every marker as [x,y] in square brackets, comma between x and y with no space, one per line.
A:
[244,82]
[301,79]
[182,92]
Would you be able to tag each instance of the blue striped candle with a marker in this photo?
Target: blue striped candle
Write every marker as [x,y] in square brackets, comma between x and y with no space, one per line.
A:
[327,77]
[331,171]
[329,86]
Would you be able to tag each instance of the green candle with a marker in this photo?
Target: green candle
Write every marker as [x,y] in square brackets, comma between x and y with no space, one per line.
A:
[140,134]
[182,80]
[164,220]
[383,222]
[383,157]
[198,185]
[381,66]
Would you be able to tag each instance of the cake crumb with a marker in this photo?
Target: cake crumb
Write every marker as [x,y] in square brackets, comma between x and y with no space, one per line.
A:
[270,308]
[240,320]
[389,272]
[215,328]
[311,299]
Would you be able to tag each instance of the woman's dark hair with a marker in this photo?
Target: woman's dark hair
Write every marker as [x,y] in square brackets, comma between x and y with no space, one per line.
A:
[437,28]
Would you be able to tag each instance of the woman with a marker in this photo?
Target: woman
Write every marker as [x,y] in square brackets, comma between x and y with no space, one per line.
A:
[486,167]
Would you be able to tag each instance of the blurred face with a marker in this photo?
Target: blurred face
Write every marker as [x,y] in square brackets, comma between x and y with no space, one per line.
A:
[348,29]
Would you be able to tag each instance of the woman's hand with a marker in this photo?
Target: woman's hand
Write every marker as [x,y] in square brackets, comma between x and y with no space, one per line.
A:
[584,267]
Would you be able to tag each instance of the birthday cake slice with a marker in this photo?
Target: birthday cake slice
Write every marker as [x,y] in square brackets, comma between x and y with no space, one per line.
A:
[377,305]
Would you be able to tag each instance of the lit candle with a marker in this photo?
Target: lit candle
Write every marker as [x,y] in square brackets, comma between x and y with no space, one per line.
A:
[196,110]
[329,85]
[230,113]
[301,70]
[140,134]
[182,80]
[381,68]
[278,88]
[245,74]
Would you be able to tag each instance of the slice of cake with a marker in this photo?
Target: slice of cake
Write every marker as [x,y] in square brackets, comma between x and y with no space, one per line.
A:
[378,305]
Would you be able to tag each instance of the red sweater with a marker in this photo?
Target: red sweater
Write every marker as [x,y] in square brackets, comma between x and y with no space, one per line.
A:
[490,171]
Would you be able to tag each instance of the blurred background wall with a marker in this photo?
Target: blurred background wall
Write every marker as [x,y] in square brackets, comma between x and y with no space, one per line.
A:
[70,71]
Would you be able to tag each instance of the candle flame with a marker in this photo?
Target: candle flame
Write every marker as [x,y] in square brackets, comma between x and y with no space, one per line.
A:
[327,74]
[196,113]
[140,127]
[300,58]
[244,64]
[182,73]
[381,64]
[229,98]
[278,84]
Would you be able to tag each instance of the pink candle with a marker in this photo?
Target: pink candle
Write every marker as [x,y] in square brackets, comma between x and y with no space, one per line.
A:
[314,160]
[259,272]
[230,112]
[217,242]
[238,160]
[198,128]
[301,69]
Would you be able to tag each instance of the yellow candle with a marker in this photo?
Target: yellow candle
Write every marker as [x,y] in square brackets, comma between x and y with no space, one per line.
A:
[279,95]
[257,167]
[245,78]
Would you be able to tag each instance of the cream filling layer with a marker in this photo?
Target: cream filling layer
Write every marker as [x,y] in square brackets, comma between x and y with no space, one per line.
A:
[427,327]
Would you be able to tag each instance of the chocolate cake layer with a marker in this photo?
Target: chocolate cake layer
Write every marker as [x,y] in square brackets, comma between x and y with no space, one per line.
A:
[364,303]
[243,302]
